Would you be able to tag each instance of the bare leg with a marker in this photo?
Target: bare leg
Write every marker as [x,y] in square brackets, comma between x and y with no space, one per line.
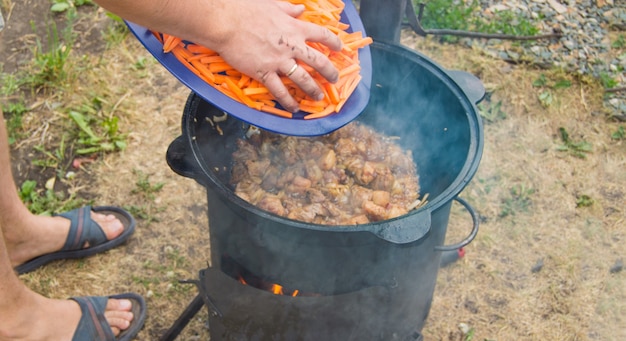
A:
[25,314]
[26,235]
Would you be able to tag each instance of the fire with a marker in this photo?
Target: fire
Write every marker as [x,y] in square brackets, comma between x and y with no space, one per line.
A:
[274,288]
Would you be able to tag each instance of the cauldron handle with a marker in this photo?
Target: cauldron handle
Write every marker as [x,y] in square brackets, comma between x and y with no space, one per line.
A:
[180,158]
[471,85]
[472,234]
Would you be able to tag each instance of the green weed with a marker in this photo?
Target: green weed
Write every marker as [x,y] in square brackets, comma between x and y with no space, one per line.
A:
[549,86]
[67,5]
[455,15]
[167,271]
[607,81]
[145,188]
[104,137]
[49,64]
[584,201]
[146,191]
[140,64]
[619,42]
[619,134]
[448,14]
[9,84]
[546,98]
[559,83]
[491,112]
[52,159]
[147,213]
[116,32]
[518,201]
[508,22]
[46,202]
[14,113]
[577,149]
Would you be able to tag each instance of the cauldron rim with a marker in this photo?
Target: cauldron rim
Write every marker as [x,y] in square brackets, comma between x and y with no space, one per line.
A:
[470,165]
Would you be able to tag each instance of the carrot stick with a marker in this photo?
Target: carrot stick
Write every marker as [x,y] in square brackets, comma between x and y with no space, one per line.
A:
[204,70]
[207,59]
[359,43]
[193,48]
[219,67]
[311,109]
[243,81]
[170,42]
[311,103]
[329,110]
[255,91]
[333,94]
[349,69]
[239,93]
[351,87]
[276,111]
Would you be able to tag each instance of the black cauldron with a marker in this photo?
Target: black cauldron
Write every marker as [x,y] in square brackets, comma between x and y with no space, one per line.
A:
[433,112]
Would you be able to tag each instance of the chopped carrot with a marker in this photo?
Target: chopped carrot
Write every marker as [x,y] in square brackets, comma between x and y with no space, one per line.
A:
[208,59]
[329,110]
[359,43]
[211,67]
[273,110]
[349,69]
[243,81]
[219,67]
[255,91]
[333,93]
[170,42]
[193,48]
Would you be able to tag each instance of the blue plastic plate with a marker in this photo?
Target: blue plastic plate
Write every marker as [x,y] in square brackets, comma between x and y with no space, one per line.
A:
[294,126]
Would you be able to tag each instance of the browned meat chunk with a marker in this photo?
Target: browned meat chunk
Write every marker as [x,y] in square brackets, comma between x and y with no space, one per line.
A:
[351,176]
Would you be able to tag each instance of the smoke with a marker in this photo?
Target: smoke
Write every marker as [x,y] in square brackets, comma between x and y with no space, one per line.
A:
[364,287]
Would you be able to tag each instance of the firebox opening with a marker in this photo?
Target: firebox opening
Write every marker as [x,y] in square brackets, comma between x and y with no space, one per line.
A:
[244,276]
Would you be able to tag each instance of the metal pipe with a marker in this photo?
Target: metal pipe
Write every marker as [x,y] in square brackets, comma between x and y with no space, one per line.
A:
[382,19]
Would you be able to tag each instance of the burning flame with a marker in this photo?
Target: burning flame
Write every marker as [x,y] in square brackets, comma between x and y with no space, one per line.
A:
[274,288]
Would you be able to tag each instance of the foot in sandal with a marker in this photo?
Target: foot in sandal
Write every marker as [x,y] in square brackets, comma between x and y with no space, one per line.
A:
[38,240]
[34,317]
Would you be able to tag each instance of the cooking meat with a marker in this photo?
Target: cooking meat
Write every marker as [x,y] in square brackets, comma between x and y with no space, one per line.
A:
[351,176]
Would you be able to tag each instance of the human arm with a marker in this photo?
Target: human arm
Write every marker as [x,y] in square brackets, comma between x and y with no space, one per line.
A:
[261,38]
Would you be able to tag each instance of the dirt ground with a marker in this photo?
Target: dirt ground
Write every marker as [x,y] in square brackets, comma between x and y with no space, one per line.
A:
[544,266]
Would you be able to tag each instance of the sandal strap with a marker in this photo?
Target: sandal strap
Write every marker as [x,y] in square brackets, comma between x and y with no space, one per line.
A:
[82,229]
[93,325]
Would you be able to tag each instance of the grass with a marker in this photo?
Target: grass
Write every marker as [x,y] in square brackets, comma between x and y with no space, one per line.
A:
[619,42]
[107,137]
[491,112]
[78,122]
[576,148]
[145,188]
[50,63]
[145,192]
[462,16]
[519,200]
[47,201]
[68,5]
[521,177]
[14,113]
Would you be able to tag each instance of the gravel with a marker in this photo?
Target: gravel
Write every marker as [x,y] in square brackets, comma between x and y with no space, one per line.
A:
[584,46]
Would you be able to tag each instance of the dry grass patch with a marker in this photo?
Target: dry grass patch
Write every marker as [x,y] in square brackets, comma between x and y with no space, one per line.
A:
[552,223]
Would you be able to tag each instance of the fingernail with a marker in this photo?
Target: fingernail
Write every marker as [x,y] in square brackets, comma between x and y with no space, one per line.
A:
[320,96]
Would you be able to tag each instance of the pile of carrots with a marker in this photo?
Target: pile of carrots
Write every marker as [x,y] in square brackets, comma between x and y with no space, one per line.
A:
[210,67]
